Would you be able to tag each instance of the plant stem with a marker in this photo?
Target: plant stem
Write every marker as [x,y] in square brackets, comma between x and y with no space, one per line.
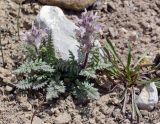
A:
[2,51]
[133,104]
[86,60]
[125,101]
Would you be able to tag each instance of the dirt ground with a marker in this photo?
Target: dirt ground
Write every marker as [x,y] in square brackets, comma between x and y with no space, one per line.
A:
[124,21]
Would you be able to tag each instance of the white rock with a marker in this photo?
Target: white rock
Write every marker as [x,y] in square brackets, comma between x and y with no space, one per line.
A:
[148,97]
[63,118]
[63,35]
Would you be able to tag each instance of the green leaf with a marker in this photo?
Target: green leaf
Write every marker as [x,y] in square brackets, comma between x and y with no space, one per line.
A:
[89,73]
[34,65]
[129,58]
[24,84]
[55,89]
[85,90]
[109,46]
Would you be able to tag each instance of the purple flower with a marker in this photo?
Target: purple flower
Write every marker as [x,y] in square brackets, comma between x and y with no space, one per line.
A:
[88,30]
[35,36]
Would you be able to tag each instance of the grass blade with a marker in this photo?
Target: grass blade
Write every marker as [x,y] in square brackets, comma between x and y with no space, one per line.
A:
[129,59]
[140,59]
[111,48]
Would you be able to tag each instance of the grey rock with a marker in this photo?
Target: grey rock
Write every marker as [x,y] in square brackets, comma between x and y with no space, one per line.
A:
[148,97]
[63,31]
[70,4]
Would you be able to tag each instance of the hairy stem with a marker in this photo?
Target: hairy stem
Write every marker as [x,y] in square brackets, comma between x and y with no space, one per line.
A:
[86,60]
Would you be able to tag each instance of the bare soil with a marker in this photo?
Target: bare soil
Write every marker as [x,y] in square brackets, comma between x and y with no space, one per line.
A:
[134,21]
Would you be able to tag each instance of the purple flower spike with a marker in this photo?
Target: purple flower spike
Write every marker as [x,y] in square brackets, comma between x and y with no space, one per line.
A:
[88,29]
[34,36]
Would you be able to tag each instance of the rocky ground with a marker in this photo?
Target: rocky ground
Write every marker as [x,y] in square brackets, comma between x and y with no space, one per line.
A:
[134,21]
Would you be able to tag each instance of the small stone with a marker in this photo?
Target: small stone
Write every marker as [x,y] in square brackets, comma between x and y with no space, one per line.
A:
[20,98]
[113,33]
[133,36]
[37,120]
[116,113]
[26,106]
[104,109]
[92,121]
[148,97]
[77,119]
[2,110]
[8,89]
[114,101]
[126,121]
[98,5]
[63,118]
[95,111]
[28,116]
[144,112]
[110,121]
[110,109]
[158,73]
[55,111]
[123,32]
[111,7]
[103,100]
[100,119]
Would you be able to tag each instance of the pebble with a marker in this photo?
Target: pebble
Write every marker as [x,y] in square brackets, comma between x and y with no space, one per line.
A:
[113,33]
[55,111]
[37,120]
[8,89]
[144,112]
[63,118]
[148,97]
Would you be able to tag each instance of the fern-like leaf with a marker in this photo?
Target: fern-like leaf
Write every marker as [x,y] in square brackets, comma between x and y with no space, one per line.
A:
[24,84]
[36,65]
[89,73]
[55,89]
[84,91]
